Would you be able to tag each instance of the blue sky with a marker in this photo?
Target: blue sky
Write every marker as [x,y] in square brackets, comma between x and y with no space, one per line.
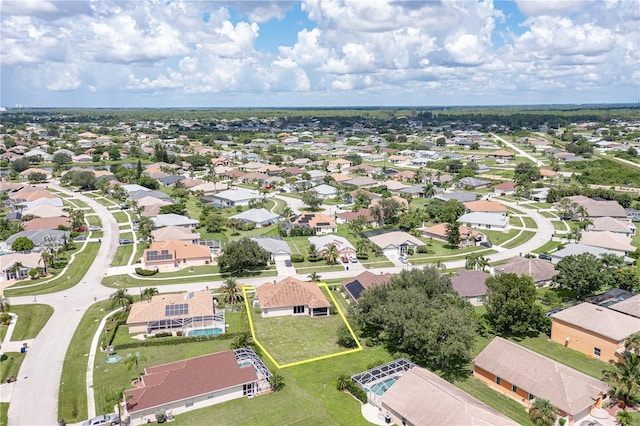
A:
[197,53]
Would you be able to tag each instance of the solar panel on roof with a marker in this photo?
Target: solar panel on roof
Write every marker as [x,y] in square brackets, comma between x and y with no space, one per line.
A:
[176,309]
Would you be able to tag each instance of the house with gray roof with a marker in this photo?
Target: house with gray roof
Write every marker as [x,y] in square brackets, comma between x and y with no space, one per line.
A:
[630,306]
[137,195]
[172,219]
[276,246]
[472,183]
[470,285]
[134,187]
[606,223]
[325,191]
[483,220]
[461,196]
[542,271]
[261,217]
[234,197]
[37,236]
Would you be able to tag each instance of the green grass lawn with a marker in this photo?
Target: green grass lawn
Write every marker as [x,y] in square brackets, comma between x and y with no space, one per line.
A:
[79,203]
[549,247]
[74,274]
[574,359]
[560,225]
[10,363]
[549,215]
[499,237]
[123,253]
[31,319]
[121,217]
[72,398]
[94,220]
[515,221]
[4,411]
[106,202]
[290,339]
[520,239]
[529,223]
[512,409]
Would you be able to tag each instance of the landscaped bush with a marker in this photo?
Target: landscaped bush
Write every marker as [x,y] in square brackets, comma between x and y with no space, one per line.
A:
[146,272]
[344,383]
[314,258]
[175,341]
[345,339]
[363,256]
[410,251]
[165,334]
[297,258]
[423,249]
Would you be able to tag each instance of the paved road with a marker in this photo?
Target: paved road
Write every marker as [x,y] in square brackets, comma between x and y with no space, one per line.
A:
[41,371]
[35,395]
[520,151]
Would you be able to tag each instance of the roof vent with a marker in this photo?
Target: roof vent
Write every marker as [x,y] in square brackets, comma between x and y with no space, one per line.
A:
[599,309]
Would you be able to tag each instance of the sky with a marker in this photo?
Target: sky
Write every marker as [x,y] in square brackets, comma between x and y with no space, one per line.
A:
[318,53]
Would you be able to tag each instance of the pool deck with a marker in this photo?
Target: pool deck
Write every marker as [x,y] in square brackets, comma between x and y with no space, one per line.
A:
[372,414]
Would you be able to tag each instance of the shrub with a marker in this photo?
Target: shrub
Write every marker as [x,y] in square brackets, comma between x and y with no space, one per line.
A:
[146,272]
[277,382]
[410,251]
[315,258]
[164,334]
[423,249]
[345,339]
[297,258]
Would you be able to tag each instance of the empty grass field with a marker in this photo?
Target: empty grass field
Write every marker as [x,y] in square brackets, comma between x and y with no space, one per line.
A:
[31,319]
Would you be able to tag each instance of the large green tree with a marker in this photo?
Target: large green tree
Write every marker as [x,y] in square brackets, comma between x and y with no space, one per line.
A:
[583,273]
[624,379]
[452,230]
[542,413]
[311,200]
[418,313]
[242,256]
[22,244]
[511,305]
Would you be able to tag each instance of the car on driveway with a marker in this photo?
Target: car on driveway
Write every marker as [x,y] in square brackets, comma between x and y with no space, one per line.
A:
[79,238]
[344,259]
[94,228]
[403,259]
[353,258]
[125,241]
[104,419]
[288,263]
[487,244]
[544,256]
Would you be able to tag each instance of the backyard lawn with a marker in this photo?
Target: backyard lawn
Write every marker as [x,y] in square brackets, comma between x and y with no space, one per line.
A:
[31,319]
[289,339]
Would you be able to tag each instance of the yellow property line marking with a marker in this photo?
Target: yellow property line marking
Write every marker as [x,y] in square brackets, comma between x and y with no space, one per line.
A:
[291,364]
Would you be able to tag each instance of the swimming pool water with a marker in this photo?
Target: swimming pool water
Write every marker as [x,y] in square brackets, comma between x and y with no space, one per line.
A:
[245,364]
[381,387]
[205,332]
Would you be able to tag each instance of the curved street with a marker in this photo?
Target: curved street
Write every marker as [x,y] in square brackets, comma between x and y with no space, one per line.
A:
[41,370]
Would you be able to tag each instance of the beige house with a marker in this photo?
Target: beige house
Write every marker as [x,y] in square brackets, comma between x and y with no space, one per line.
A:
[175,312]
[291,296]
[542,271]
[174,254]
[421,398]
[395,243]
[596,331]
[524,375]
[175,233]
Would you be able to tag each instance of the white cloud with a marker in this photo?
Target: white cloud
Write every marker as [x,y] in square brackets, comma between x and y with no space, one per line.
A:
[551,7]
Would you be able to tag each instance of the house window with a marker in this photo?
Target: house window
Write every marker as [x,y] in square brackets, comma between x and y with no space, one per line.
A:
[497,380]
[596,351]
[210,396]
[479,299]
[189,403]
[514,388]
[298,309]
[531,397]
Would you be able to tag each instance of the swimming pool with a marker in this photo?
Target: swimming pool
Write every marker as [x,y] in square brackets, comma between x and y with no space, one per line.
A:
[242,364]
[205,331]
[381,387]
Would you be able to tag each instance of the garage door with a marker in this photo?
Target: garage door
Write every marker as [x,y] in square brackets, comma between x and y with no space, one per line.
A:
[281,257]
[390,252]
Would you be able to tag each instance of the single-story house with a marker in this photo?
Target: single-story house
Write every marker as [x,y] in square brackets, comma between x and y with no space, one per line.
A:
[37,236]
[277,247]
[576,249]
[320,222]
[505,188]
[600,208]
[234,197]
[468,236]
[178,233]
[622,227]
[290,296]
[25,173]
[338,165]
[356,285]
[29,193]
[194,383]
[174,254]
[47,223]
[261,217]
[43,210]
[614,242]
[596,331]
[502,154]
[461,196]
[472,183]
[484,206]
[470,285]
[351,197]
[542,271]
[630,306]
[136,195]
[361,182]
[422,398]
[209,188]
[325,191]
[347,216]
[539,195]
[28,261]
[395,243]
[174,312]
[524,375]
[172,219]
[485,220]
[342,244]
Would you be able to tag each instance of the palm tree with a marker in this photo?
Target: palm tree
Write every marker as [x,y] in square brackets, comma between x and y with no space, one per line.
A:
[575,234]
[429,190]
[134,360]
[149,292]
[633,343]
[331,254]
[122,298]
[312,250]
[287,213]
[343,381]
[440,265]
[625,378]
[362,247]
[476,262]
[611,261]
[15,269]
[231,291]
[584,222]
[5,306]
[565,206]
[542,413]
[314,277]
[624,418]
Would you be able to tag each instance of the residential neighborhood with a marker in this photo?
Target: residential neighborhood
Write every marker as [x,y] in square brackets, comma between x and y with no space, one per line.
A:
[306,269]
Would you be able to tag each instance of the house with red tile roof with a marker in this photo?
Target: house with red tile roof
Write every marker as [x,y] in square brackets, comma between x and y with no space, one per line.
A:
[194,383]
[291,296]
